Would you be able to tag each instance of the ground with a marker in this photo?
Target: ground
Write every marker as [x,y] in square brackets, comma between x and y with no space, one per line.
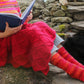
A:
[10,75]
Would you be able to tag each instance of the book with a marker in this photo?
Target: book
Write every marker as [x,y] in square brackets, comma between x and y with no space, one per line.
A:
[13,19]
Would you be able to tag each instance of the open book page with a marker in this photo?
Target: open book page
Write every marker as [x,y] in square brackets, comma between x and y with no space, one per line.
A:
[27,11]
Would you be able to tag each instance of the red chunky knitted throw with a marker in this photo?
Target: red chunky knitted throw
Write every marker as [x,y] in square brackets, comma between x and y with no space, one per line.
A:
[30,47]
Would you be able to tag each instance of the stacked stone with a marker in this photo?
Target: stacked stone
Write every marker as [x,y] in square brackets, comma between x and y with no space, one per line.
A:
[56,16]
[61,18]
[37,9]
[50,12]
[77,10]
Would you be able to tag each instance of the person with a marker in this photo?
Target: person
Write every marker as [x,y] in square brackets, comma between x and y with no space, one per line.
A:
[34,45]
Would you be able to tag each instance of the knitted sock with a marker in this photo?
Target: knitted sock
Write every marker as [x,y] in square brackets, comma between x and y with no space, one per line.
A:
[62,51]
[73,70]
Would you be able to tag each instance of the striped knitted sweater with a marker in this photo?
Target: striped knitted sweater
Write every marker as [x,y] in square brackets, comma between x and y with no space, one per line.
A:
[9,6]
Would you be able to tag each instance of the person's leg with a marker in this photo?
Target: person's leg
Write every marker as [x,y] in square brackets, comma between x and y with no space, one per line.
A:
[63,52]
[73,70]
[54,49]
[58,40]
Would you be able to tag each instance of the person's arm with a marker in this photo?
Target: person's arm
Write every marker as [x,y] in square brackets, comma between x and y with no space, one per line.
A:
[9,31]
[29,17]
[2,35]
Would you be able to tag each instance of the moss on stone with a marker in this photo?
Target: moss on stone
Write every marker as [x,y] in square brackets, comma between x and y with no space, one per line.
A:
[62,27]
[63,7]
[61,34]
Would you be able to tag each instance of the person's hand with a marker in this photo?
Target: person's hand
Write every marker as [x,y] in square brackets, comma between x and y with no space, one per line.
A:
[9,31]
[63,2]
[29,17]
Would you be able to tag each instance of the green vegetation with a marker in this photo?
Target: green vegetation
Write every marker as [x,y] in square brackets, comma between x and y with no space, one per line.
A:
[64,7]
[62,27]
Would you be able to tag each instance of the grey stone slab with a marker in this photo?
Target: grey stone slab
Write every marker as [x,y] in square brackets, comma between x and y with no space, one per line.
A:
[72,9]
[79,16]
[65,79]
[78,25]
[62,77]
[76,3]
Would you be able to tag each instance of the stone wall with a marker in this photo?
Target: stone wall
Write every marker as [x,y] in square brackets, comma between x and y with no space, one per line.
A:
[61,18]
[56,15]
[50,12]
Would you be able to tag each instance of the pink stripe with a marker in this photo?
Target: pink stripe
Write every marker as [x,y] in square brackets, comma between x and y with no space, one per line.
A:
[7,2]
[8,9]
